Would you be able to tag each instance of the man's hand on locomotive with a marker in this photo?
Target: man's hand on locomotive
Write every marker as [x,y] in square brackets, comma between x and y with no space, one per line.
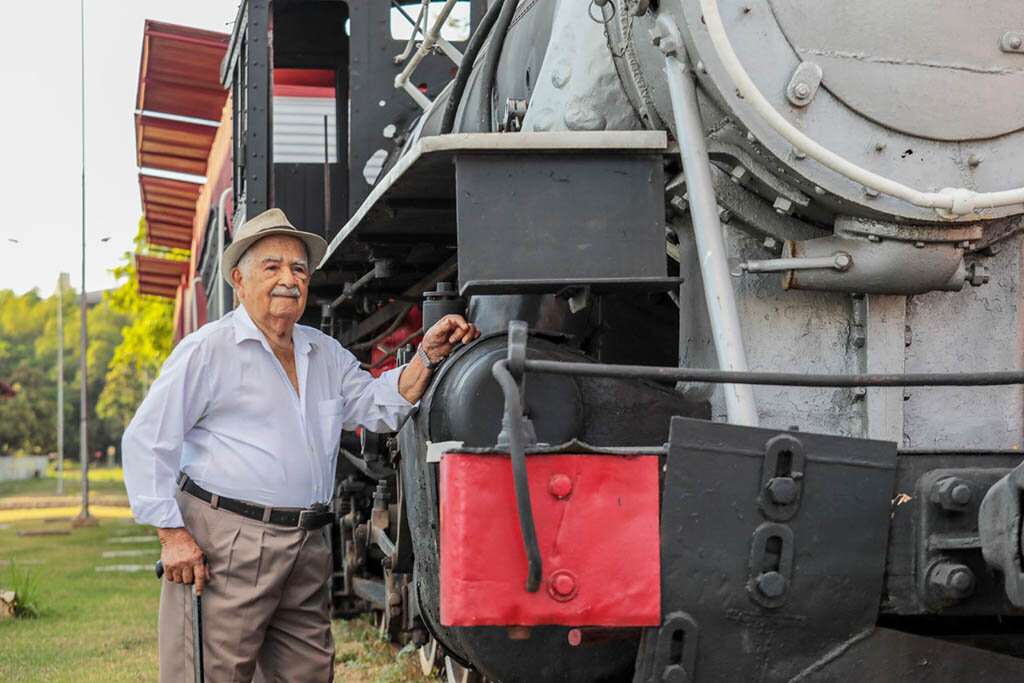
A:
[441,338]
[437,343]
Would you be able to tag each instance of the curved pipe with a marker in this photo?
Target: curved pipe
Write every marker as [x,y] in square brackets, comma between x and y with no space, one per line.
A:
[949,202]
[476,42]
[490,64]
[517,452]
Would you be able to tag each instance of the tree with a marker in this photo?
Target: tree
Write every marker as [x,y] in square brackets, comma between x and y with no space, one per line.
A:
[130,335]
[145,342]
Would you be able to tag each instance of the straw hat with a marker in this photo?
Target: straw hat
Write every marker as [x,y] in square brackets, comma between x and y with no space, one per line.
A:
[270,222]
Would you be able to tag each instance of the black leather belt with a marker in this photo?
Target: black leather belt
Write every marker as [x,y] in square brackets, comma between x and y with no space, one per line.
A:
[309,520]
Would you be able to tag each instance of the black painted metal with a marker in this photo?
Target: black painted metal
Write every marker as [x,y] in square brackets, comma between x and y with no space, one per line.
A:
[517,234]
[299,192]
[769,598]
[914,517]
[887,656]
[247,68]
[444,300]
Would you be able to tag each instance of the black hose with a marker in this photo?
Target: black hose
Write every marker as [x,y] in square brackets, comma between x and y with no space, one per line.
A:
[517,452]
[490,64]
[792,379]
[476,41]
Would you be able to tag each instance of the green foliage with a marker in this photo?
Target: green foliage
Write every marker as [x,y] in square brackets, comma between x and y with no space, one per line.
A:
[130,335]
[25,585]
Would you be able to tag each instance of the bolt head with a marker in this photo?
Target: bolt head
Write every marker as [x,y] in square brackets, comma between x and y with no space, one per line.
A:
[801,91]
[1015,42]
[960,580]
[978,275]
[960,494]
[781,490]
[562,585]
[843,260]
[772,584]
[560,486]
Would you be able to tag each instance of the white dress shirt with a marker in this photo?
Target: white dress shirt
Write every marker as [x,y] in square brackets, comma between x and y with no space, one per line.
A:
[224,412]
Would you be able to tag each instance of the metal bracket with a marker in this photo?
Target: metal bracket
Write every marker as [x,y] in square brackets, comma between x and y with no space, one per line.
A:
[840,261]
[675,653]
[782,478]
[771,564]
[804,84]
[951,574]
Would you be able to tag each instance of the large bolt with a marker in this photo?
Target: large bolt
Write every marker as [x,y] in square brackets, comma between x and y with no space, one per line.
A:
[953,581]
[781,490]
[562,585]
[978,275]
[801,91]
[772,584]
[783,206]
[951,494]
[560,486]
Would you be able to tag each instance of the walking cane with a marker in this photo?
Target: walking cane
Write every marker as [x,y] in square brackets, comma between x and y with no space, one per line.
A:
[197,626]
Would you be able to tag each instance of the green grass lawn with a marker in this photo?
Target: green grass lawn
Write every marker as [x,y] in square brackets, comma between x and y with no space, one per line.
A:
[101,482]
[93,626]
[102,626]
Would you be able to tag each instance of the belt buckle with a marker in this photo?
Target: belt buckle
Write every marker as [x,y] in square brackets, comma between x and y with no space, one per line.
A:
[313,518]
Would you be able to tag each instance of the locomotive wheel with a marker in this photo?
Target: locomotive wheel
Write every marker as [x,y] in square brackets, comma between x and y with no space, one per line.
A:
[456,673]
[428,656]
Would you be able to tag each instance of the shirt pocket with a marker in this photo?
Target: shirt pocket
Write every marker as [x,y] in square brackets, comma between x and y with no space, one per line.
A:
[332,416]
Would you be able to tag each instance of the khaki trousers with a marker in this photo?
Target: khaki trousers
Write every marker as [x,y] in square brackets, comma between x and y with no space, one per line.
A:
[266,606]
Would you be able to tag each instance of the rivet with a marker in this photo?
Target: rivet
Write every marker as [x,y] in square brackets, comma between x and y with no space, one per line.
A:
[1015,42]
[974,160]
[560,486]
[562,585]
[879,146]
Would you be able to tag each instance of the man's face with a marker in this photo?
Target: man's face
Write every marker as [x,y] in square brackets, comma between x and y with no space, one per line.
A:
[275,283]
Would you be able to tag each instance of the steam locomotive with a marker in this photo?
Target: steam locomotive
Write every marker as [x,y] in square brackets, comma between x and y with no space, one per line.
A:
[747,404]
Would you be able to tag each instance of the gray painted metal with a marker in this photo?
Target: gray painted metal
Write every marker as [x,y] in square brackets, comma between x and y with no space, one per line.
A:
[718,292]
[865,72]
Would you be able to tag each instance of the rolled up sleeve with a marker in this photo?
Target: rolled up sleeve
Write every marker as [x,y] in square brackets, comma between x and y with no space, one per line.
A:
[372,403]
[152,443]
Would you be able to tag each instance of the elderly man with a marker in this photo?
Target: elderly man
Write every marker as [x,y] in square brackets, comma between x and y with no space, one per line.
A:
[237,436]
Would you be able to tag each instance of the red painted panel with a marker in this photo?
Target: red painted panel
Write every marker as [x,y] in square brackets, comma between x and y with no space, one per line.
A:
[599,543]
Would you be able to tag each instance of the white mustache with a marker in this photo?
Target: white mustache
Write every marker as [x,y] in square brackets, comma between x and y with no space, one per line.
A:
[281,290]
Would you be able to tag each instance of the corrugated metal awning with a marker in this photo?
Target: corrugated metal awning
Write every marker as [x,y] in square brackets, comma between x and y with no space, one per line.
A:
[159,276]
[180,71]
[169,145]
[169,207]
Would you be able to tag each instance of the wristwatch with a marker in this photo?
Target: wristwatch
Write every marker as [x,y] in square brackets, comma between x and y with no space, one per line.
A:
[426,361]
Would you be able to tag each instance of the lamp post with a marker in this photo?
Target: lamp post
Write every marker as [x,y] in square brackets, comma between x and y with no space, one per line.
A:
[62,282]
[84,518]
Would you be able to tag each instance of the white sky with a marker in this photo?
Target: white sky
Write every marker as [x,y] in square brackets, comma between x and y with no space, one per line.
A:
[40,133]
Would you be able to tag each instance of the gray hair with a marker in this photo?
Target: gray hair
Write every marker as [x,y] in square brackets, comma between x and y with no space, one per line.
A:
[248,259]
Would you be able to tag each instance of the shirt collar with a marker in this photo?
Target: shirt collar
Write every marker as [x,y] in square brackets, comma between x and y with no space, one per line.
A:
[245,329]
